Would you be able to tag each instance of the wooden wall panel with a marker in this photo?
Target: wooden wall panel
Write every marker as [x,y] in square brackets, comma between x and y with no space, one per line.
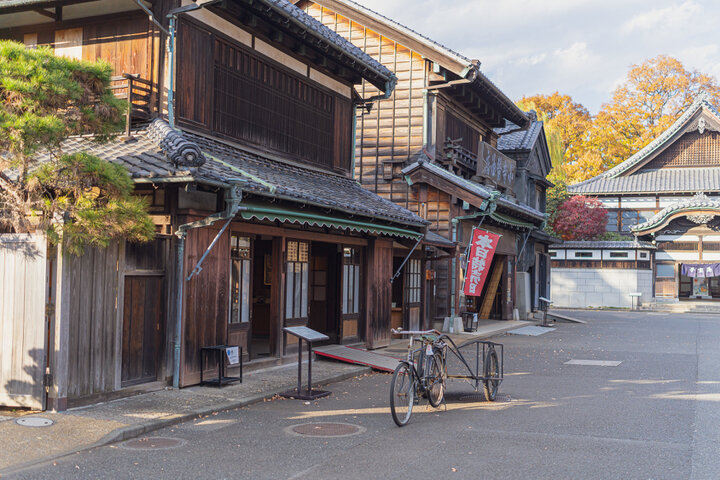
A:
[194,85]
[378,291]
[205,311]
[390,136]
[94,283]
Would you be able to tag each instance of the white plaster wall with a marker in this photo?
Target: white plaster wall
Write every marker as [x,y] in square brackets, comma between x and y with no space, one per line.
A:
[590,287]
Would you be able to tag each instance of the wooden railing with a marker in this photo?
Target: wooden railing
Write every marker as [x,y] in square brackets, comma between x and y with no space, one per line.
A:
[138,92]
[458,155]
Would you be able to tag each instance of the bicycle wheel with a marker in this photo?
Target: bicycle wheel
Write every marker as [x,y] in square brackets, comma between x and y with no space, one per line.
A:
[492,370]
[402,394]
[436,380]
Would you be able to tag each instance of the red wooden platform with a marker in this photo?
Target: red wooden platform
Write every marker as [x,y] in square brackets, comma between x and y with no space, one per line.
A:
[358,357]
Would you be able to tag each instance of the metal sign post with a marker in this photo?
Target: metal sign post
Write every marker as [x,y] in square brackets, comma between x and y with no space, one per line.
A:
[309,335]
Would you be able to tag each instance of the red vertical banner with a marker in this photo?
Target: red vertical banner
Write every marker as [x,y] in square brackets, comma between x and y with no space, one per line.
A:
[479,259]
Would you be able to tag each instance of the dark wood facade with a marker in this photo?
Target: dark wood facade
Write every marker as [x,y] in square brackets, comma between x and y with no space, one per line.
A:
[437,114]
[255,92]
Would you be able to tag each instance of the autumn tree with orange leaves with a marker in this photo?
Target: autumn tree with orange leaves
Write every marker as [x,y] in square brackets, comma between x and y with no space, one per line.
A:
[650,99]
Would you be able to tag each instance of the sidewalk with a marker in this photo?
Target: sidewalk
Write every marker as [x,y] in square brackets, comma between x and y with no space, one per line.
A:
[104,423]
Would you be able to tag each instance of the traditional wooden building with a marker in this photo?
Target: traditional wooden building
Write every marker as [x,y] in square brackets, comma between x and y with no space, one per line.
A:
[432,147]
[668,196]
[260,223]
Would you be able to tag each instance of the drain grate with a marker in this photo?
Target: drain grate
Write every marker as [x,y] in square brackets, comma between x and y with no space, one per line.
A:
[152,443]
[325,429]
[34,422]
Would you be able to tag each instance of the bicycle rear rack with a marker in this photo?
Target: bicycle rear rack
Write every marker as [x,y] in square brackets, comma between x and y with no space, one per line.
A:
[476,374]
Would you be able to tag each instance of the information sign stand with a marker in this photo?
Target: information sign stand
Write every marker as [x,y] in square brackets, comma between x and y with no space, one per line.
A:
[309,335]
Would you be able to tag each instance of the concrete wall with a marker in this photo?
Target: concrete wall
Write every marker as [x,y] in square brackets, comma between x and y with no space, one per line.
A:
[523,302]
[595,287]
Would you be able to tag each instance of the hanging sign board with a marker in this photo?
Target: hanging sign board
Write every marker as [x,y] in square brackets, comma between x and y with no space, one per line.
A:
[480,257]
[495,165]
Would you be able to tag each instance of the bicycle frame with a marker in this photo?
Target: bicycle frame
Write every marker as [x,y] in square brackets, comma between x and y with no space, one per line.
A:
[419,374]
[448,344]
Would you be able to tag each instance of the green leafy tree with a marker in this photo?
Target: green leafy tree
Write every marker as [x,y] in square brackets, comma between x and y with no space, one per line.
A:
[79,199]
[554,198]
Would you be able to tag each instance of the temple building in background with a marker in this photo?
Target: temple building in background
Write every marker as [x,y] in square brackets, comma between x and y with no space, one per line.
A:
[666,200]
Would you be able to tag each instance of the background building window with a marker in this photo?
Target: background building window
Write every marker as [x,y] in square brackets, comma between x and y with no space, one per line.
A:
[665,270]
[612,221]
[296,278]
[583,254]
[240,279]
[618,254]
[629,218]
[351,281]
[413,282]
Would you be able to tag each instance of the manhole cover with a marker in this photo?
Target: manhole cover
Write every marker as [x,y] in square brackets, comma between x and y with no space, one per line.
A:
[34,422]
[325,429]
[152,443]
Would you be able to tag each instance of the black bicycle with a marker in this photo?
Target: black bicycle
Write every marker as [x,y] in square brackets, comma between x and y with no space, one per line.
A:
[424,372]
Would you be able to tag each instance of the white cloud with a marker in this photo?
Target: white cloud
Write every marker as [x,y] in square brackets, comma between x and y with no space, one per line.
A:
[578,47]
[674,16]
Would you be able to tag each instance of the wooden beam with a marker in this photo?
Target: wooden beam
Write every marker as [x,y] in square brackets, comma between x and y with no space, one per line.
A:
[42,5]
[45,13]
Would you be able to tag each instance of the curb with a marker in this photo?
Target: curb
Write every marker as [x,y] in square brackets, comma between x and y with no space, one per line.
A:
[132,431]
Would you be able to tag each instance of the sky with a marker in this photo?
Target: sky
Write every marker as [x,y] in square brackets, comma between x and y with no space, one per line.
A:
[582,48]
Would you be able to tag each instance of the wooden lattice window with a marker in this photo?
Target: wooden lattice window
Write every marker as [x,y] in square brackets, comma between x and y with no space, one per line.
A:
[240,279]
[413,280]
[461,133]
[351,281]
[258,102]
[296,278]
[688,246]
[693,149]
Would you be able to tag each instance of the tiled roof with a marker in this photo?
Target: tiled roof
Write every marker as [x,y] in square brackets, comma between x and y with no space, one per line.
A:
[475,188]
[676,179]
[319,30]
[512,137]
[19,3]
[698,202]
[602,244]
[669,180]
[254,173]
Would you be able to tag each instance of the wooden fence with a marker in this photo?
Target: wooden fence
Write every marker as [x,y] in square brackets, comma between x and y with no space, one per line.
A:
[23,292]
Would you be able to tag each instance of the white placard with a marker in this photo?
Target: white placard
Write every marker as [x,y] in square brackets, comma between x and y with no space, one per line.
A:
[233,354]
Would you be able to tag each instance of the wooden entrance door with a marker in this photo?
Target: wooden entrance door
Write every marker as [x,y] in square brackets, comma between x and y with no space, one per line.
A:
[142,329]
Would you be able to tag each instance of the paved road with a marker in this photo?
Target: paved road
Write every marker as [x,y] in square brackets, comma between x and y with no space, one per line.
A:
[655,416]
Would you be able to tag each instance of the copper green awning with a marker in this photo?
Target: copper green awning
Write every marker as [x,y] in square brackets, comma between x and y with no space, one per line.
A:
[499,217]
[296,216]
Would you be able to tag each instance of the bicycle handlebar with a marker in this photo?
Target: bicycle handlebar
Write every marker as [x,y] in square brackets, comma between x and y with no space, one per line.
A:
[400,331]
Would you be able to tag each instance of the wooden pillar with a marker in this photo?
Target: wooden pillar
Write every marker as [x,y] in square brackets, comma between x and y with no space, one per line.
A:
[378,293]
[60,330]
[277,298]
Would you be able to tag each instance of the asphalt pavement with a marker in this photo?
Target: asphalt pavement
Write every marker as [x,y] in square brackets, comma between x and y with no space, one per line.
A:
[654,416]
